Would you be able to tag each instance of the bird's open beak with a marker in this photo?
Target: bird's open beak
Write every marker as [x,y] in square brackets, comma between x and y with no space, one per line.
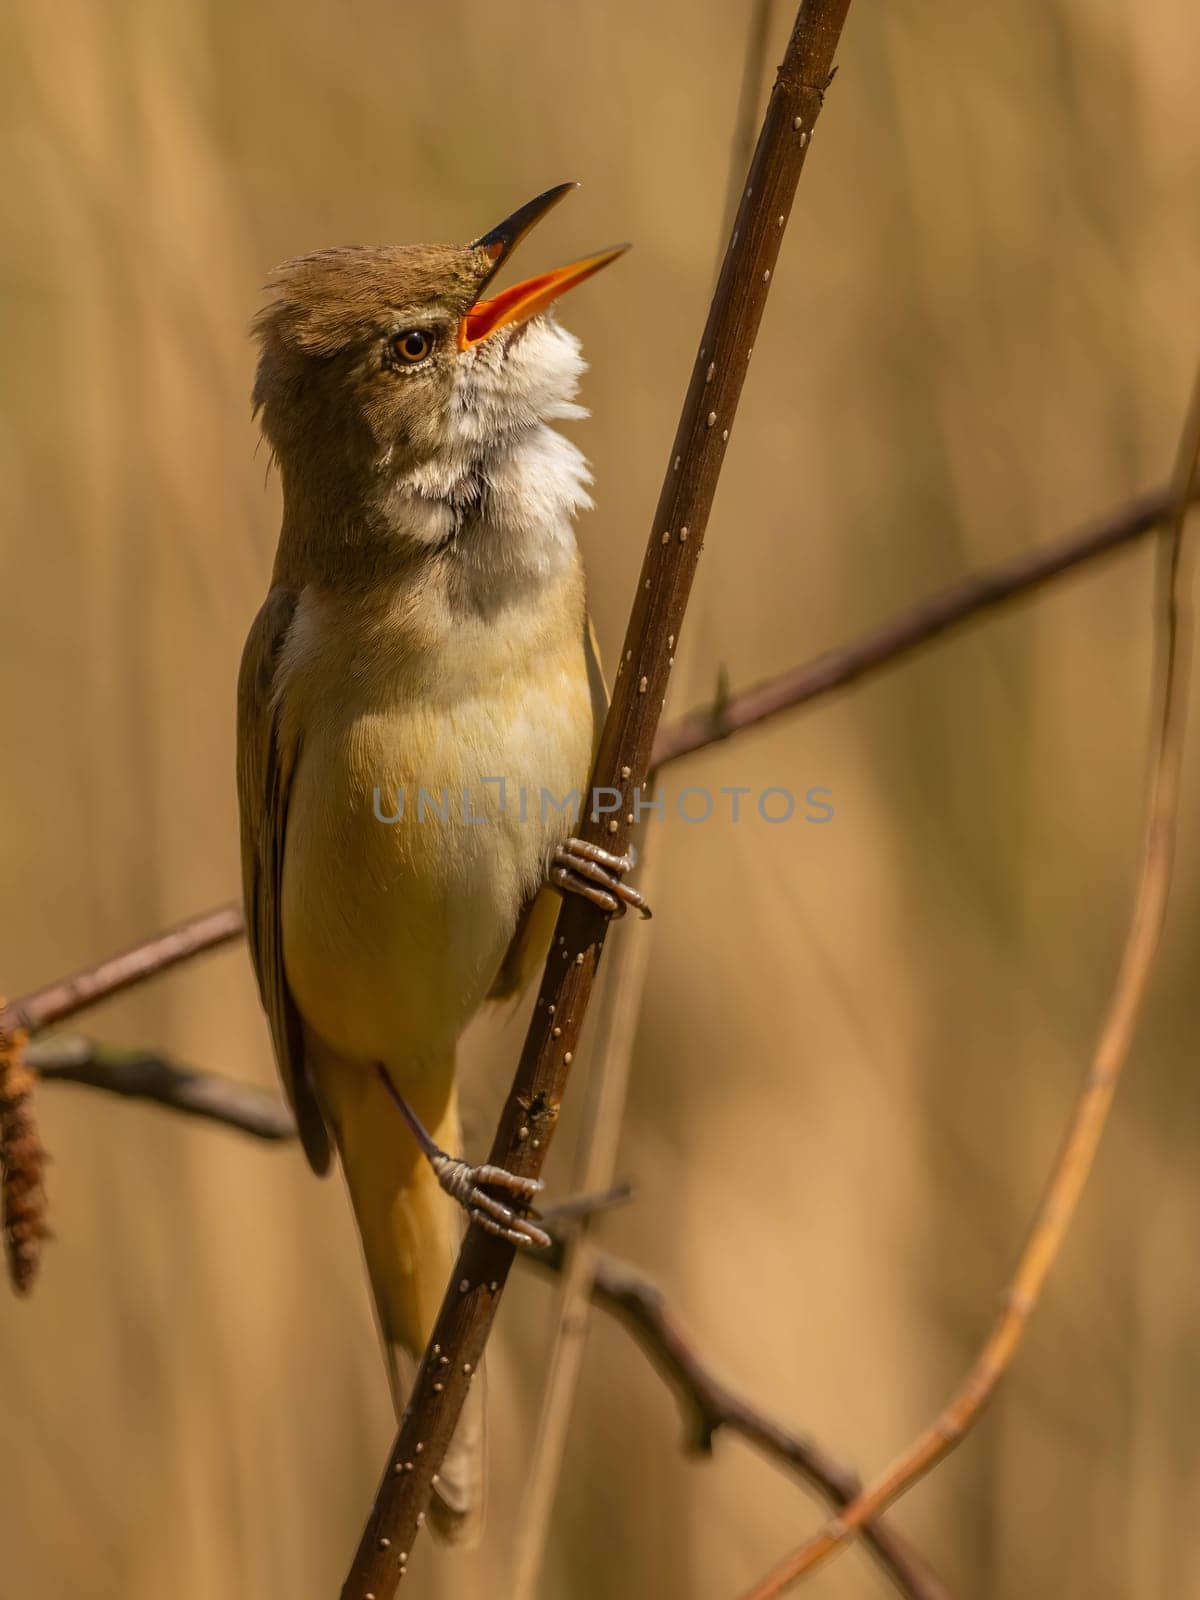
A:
[525,300]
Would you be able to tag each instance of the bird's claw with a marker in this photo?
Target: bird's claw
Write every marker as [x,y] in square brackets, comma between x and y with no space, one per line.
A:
[469,1185]
[577,867]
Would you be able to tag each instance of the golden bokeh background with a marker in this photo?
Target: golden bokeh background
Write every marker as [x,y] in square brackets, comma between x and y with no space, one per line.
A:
[860,1040]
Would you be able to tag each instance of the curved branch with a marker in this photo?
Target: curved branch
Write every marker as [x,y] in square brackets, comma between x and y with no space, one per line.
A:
[1089,1115]
[146,1075]
[710,1405]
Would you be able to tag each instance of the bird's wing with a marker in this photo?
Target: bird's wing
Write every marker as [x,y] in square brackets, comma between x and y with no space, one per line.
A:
[535,926]
[264,771]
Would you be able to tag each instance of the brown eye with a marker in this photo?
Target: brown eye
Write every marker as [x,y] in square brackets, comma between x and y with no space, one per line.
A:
[413,345]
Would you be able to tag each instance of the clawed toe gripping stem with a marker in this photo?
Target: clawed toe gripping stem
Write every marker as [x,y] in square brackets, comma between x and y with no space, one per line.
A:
[577,867]
[469,1185]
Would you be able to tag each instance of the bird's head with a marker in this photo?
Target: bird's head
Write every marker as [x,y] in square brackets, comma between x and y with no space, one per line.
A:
[388,362]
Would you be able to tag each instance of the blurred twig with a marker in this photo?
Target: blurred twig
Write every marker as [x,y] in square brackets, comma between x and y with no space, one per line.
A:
[607,1087]
[146,1075]
[620,1006]
[897,637]
[621,765]
[65,997]
[1074,1161]
[745,127]
[882,646]
[710,1405]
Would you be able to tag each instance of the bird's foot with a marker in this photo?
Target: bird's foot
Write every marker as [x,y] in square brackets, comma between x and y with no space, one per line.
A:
[577,867]
[469,1185]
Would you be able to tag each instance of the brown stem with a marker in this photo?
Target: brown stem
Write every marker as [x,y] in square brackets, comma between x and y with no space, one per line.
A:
[898,636]
[1090,1113]
[145,1075]
[710,1405]
[67,996]
[528,1119]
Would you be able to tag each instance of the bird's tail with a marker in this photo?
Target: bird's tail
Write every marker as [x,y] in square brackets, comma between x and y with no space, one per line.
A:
[410,1233]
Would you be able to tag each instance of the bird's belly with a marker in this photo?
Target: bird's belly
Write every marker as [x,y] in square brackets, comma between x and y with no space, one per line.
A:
[405,868]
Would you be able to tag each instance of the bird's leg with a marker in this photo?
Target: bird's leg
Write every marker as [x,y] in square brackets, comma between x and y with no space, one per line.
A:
[468,1185]
[577,867]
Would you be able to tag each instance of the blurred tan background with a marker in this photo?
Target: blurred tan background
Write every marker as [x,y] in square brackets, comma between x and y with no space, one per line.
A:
[860,1040]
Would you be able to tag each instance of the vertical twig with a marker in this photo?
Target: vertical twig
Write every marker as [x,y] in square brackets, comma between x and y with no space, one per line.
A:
[1075,1157]
[529,1116]
[608,1085]
[745,128]
[620,1008]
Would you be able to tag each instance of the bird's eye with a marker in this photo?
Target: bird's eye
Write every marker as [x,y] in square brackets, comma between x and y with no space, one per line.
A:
[411,346]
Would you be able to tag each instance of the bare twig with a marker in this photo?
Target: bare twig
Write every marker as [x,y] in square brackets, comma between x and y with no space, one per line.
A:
[529,1116]
[67,996]
[607,1087]
[582,1207]
[709,1405]
[891,641]
[745,128]
[1074,1161]
[146,1075]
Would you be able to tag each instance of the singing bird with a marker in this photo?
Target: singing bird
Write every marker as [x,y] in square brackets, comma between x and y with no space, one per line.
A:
[425,636]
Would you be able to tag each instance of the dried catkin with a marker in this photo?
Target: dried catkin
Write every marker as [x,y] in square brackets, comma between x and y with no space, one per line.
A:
[22,1160]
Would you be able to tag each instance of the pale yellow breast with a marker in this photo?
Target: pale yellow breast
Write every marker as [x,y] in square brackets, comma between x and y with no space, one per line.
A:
[393,929]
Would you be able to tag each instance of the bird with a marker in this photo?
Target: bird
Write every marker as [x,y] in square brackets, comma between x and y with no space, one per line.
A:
[421,675]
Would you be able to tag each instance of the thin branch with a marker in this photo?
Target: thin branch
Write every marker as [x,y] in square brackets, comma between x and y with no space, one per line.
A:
[145,1075]
[745,127]
[882,646]
[607,1087]
[623,759]
[897,637]
[709,1405]
[1077,1153]
[67,996]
